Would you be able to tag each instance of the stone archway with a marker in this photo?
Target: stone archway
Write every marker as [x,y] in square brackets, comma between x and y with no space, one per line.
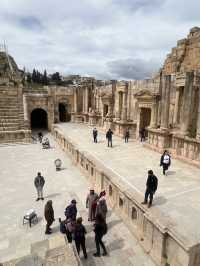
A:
[39,119]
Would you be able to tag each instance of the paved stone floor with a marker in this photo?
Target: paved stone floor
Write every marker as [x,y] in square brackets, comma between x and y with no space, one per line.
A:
[178,192]
[19,166]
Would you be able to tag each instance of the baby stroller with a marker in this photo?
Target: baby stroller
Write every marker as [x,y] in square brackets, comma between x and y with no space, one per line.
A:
[45,143]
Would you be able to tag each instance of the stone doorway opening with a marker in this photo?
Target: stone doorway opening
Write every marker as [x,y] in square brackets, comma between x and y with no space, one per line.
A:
[39,119]
[105,110]
[145,118]
[64,116]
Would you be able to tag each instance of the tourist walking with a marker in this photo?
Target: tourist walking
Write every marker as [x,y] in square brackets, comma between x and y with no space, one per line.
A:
[126,136]
[49,216]
[39,184]
[165,161]
[95,134]
[142,134]
[101,206]
[151,187]
[109,134]
[91,202]
[71,211]
[79,236]
[100,229]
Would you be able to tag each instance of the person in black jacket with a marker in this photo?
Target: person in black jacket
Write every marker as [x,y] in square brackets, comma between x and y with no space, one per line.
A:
[165,161]
[39,184]
[79,236]
[109,134]
[71,211]
[126,136]
[95,134]
[100,229]
[49,216]
[151,187]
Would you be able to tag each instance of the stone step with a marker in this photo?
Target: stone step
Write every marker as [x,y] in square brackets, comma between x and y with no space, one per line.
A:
[10,120]
[9,128]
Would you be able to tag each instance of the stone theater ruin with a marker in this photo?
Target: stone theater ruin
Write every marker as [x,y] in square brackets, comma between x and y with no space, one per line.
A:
[167,106]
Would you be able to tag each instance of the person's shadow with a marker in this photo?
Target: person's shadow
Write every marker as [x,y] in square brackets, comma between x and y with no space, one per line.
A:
[160,200]
[53,195]
[170,173]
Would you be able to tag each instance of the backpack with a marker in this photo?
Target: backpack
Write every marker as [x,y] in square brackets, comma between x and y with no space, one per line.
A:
[67,211]
[63,229]
[104,229]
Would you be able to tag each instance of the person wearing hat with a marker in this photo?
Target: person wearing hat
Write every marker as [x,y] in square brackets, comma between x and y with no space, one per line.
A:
[71,211]
[91,202]
[49,216]
[151,187]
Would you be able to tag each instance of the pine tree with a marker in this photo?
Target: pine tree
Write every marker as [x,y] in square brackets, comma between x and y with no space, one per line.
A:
[45,78]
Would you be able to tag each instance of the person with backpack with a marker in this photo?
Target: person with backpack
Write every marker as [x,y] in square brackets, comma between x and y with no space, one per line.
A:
[165,161]
[151,187]
[100,229]
[67,227]
[71,211]
[79,236]
[109,134]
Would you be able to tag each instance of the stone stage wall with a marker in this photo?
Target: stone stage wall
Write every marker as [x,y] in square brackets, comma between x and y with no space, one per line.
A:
[165,246]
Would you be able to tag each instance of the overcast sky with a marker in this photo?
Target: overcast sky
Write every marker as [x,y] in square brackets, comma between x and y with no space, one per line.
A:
[108,39]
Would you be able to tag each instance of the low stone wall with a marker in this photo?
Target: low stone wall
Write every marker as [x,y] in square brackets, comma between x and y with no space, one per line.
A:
[181,147]
[151,228]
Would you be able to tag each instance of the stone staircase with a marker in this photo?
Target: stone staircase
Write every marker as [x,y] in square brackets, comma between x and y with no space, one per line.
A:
[50,252]
[12,126]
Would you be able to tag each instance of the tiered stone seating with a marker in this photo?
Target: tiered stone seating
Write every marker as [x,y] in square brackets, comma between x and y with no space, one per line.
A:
[12,127]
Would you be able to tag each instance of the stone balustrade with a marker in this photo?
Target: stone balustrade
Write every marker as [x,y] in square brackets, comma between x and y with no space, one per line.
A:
[151,228]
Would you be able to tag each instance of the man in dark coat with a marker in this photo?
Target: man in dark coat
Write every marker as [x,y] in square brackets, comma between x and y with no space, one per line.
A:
[165,161]
[95,134]
[109,137]
[100,229]
[49,216]
[71,211]
[126,136]
[39,184]
[151,187]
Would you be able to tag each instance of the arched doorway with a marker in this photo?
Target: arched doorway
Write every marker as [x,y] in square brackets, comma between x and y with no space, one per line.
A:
[62,112]
[64,116]
[145,118]
[39,119]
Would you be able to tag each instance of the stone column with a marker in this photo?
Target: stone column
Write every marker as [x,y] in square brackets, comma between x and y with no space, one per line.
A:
[187,102]
[118,115]
[165,102]
[154,111]
[86,100]
[198,120]
[83,107]
[176,108]
[124,106]
[75,101]
[25,108]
